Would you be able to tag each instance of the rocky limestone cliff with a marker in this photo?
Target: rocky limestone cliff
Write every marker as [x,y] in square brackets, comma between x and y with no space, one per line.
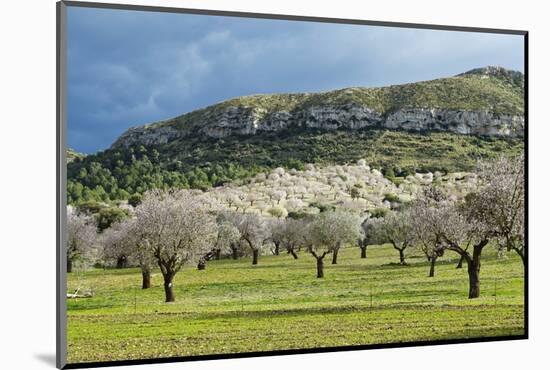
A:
[342,109]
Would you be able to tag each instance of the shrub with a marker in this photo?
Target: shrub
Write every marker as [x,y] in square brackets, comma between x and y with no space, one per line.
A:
[296,215]
[396,180]
[278,212]
[378,212]
[322,207]
[91,207]
[388,172]
[355,193]
[134,200]
[107,216]
[392,198]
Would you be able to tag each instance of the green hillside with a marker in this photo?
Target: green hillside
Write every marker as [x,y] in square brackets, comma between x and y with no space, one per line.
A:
[198,161]
[491,88]
[73,154]
[202,162]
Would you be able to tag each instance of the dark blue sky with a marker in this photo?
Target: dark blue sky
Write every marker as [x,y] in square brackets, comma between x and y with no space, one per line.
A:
[127,68]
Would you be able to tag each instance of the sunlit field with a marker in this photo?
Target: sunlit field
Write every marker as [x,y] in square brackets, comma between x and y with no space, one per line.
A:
[279,304]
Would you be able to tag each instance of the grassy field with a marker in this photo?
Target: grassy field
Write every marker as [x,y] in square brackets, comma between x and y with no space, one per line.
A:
[233,306]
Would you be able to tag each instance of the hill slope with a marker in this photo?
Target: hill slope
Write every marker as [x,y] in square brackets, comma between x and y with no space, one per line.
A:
[73,154]
[239,138]
[486,101]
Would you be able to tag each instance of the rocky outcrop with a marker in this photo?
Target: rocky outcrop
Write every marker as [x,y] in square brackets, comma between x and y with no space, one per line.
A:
[482,123]
[145,135]
[514,77]
[251,121]
[486,101]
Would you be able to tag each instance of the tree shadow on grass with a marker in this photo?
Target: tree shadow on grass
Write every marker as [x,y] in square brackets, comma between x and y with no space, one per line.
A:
[394,265]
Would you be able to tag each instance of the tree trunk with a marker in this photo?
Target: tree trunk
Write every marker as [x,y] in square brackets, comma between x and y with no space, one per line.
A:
[474,266]
[473,274]
[276,251]
[121,262]
[291,251]
[146,278]
[255,253]
[218,254]
[522,258]
[320,265]
[168,288]
[235,252]
[520,253]
[402,256]
[335,257]
[363,252]
[459,266]
[432,266]
[69,265]
[202,264]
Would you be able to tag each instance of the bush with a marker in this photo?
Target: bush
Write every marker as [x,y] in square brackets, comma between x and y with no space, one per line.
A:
[278,212]
[396,180]
[134,200]
[294,163]
[91,207]
[322,207]
[388,172]
[392,198]
[107,216]
[296,215]
[404,172]
[378,212]
[355,193]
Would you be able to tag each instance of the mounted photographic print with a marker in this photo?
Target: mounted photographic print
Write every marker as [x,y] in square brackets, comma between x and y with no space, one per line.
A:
[236,185]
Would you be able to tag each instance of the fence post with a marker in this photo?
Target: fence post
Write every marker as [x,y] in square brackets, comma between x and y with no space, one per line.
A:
[370,294]
[242,304]
[495,291]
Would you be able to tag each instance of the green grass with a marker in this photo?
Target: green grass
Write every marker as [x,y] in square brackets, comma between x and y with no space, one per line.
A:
[233,306]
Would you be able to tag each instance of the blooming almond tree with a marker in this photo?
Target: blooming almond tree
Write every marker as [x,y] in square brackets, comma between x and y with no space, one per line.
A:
[125,240]
[275,230]
[287,234]
[117,245]
[502,198]
[371,231]
[329,232]
[461,228]
[227,236]
[140,250]
[310,239]
[423,213]
[290,235]
[397,229]
[253,231]
[178,229]
[424,210]
[81,237]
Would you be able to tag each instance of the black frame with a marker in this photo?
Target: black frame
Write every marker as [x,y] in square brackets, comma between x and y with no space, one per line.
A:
[61,196]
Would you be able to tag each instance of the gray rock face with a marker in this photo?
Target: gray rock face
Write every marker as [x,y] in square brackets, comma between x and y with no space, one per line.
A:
[147,136]
[249,121]
[480,123]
